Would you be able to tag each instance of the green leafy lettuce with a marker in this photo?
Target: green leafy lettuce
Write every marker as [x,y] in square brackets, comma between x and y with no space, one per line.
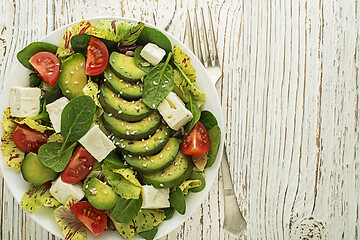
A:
[73,228]
[147,219]
[13,156]
[35,197]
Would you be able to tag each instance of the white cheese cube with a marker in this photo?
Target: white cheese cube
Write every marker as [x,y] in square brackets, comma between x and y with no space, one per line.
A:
[97,143]
[62,191]
[154,198]
[174,112]
[24,101]
[152,53]
[55,109]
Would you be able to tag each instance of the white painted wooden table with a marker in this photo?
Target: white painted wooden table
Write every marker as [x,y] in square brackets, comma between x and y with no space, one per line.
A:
[290,95]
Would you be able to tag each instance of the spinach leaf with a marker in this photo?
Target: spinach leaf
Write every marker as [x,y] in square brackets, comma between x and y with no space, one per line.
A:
[24,55]
[177,201]
[80,42]
[139,60]
[150,234]
[194,109]
[208,119]
[215,136]
[126,209]
[114,161]
[197,176]
[53,94]
[169,213]
[158,84]
[51,156]
[34,80]
[153,35]
[131,37]
[77,117]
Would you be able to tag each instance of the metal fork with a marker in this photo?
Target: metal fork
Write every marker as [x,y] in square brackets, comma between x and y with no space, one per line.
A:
[234,222]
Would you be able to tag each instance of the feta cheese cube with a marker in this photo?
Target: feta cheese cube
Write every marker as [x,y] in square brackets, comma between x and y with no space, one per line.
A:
[62,191]
[154,198]
[55,109]
[152,53]
[97,143]
[174,112]
[24,101]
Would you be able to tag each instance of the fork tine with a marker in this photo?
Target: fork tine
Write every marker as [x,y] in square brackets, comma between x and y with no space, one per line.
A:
[207,57]
[189,31]
[213,38]
[198,46]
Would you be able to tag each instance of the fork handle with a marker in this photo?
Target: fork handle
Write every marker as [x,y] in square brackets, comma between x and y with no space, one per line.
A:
[234,222]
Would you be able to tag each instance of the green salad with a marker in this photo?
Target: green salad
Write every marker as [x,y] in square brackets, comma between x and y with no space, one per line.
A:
[109,131]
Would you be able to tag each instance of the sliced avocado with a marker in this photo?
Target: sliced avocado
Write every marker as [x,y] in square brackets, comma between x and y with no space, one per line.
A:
[35,172]
[127,90]
[172,176]
[121,108]
[145,147]
[72,77]
[125,67]
[135,130]
[100,195]
[158,161]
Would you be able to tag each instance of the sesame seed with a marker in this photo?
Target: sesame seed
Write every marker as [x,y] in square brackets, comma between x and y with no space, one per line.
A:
[76,82]
[110,114]
[161,185]
[151,160]
[82,64]
[153,105]
[146,148]
[120,112]
[66,82]
[113,60]
[76,68]
[161,156]
[155,83]
[127,133]
[163,86]
[130,155]
[145,164]
[168,148]
[67,91]
[71,72]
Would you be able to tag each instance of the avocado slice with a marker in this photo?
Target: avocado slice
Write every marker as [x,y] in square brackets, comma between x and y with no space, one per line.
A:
[156,162]
[125,67]
[72,77]
[127,90]
[133,130]
[121,108]
[172,176]
[145,147]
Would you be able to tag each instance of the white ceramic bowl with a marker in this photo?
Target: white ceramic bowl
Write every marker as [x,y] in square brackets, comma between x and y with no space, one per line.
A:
[44,216]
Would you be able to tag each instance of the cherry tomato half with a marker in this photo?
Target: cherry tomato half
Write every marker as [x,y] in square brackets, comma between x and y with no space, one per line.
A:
[80,165]
[27,139]
[94,219]
[97,57]
[47,66]
[197,142]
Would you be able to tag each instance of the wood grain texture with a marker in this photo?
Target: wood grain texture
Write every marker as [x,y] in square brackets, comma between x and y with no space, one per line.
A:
[290,97]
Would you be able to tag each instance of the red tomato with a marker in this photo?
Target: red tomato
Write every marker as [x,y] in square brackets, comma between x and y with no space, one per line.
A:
[197,142]
[79,167]
[97,57]
[47,66]
[27,139]
[94,219]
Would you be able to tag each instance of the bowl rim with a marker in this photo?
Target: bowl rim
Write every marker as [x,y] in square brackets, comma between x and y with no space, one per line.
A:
[177,220]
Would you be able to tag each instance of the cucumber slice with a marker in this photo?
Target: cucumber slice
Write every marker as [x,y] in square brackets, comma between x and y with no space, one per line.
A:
[72,77]
[35,172]
[100,195]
